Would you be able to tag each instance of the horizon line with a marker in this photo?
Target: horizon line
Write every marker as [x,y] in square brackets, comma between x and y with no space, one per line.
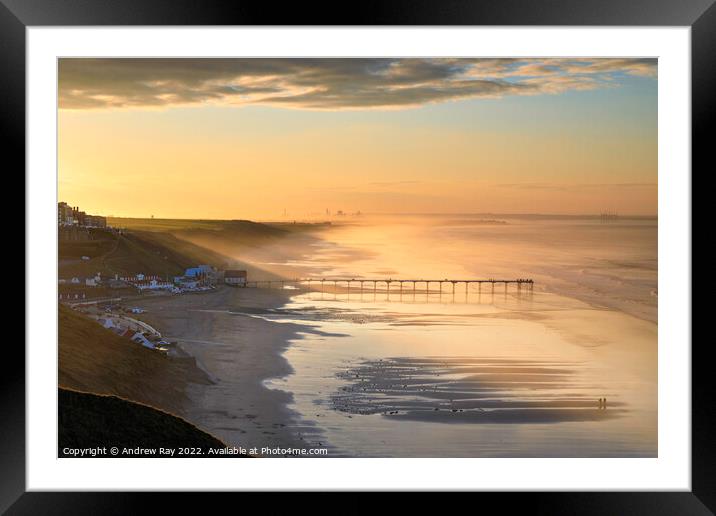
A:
[499,214]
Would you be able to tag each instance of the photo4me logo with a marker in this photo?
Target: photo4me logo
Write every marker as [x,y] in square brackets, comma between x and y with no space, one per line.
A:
[115,451]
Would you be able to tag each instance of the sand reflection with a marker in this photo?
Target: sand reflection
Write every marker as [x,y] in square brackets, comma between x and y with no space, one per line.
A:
[468,389]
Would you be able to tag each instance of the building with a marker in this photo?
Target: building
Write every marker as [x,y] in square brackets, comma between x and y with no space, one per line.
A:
[153,284]
[235,277]
[108,323]
[192,272]
[95,221]
[200,271]
[64,214]
[201,275]
[139,338]
[72,216]
[78,216]
[188,282]
[117,283]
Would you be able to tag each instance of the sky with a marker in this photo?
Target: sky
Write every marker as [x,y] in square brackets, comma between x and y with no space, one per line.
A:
[273,138]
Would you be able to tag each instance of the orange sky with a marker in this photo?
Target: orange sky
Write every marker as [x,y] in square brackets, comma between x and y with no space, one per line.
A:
[575,145]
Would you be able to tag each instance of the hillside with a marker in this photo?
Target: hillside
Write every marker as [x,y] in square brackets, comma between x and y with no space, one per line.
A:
[167,247]
[94,359]
[242,231]
[228,237]
[133,252]
[88,420]
[159,253]
[240,243]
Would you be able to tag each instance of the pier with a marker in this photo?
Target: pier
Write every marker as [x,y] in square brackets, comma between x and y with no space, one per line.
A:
[403,285]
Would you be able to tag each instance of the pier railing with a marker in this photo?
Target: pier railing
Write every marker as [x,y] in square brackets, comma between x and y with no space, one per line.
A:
[404,284]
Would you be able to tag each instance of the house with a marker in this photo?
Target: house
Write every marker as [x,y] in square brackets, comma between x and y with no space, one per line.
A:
[188,283]
[91,282]
[95,221]
[199,271]
[139,338]
[153,284]
[116,283]
[107,323]
[235,277]
[64,214]
[78,216]
[192,272]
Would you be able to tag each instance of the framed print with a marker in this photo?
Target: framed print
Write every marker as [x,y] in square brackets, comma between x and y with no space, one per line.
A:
[427,248]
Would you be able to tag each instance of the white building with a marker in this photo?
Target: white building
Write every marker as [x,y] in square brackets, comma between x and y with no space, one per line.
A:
[141,339]
[108,323]
[235,278]
[154,284]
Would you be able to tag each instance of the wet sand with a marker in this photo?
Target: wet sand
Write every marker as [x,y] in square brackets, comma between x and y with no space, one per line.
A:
[469,389]
[238,352]
[497,376]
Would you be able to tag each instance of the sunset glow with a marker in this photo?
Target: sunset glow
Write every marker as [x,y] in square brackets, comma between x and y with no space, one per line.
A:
[265,138]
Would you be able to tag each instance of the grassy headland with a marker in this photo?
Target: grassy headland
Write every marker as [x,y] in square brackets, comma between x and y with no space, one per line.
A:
[94,359]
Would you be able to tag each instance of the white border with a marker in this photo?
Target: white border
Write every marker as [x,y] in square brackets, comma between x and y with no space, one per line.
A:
[670,471]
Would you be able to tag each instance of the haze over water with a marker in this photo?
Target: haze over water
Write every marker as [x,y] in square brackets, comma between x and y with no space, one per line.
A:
[480,373]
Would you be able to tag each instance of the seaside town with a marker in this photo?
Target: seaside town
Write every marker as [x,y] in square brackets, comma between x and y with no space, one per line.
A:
[101,296]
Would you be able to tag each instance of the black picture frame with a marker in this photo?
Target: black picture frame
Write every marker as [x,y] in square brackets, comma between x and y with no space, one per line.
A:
[17,15]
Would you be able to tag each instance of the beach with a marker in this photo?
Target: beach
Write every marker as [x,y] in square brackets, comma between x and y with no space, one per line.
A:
[237,352]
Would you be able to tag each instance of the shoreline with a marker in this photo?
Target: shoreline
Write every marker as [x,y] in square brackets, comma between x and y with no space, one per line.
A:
[528,366]
[239,353]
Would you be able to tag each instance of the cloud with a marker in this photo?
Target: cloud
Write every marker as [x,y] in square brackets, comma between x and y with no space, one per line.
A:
[576,187]
[326,83]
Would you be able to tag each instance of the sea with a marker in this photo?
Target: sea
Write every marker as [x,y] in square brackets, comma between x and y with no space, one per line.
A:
[563,367]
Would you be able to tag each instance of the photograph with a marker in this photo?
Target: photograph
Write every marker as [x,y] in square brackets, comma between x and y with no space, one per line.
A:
[380,257]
